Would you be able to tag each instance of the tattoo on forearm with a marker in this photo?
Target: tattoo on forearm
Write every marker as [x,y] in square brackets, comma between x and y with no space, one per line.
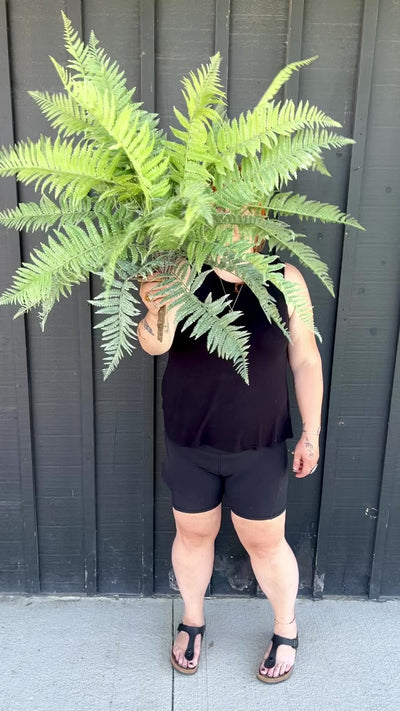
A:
[310,447]
[147,327]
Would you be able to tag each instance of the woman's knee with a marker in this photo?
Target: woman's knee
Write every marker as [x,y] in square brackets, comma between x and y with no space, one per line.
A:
[199,528]
[260,537]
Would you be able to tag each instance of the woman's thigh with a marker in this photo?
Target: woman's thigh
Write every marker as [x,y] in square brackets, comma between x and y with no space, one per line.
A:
[260,534]
[198,525]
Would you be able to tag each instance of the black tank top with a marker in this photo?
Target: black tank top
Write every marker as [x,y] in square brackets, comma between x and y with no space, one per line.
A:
[204,399]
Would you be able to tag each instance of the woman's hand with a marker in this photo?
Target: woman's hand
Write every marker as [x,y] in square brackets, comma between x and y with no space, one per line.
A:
[306,455]
[151,292]
[157,329]
[148,294]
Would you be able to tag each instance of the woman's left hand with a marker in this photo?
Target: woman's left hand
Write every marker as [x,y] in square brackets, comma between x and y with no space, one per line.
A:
[306,455]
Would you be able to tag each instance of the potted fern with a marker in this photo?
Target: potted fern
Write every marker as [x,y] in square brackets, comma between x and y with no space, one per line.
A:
[124,201]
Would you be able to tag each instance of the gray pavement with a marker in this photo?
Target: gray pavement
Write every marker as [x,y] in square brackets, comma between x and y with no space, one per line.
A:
[109,653]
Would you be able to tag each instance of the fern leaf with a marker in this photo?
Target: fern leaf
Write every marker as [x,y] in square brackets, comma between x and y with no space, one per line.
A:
[119,328]
[201,92]
[64,165]
[255,270]
[282,237]
[279,235]
[67,261]
[291,204]
[282,77]
[134,138]
[281,163]
[33,216]
[62,112]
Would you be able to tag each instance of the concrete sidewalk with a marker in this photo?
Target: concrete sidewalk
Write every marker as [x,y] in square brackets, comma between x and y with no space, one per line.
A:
[98,654]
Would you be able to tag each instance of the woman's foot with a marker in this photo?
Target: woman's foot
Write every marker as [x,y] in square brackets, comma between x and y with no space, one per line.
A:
[285,655]
[181,643]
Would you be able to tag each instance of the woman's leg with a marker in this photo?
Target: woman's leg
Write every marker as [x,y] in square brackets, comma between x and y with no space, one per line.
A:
[193,560]
[275,567]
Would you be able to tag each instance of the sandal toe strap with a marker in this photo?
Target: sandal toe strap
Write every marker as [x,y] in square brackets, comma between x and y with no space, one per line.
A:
[192,632]
[276,639]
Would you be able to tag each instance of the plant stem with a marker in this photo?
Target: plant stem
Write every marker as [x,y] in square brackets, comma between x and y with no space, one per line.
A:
[160,322]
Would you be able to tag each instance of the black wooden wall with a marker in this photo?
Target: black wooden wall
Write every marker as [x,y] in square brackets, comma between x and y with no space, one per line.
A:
[82,506]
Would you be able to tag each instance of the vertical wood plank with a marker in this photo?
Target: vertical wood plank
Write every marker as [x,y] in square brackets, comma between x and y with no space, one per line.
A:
[221,39]
[11,258]
[73,10]
[367,49]
[293,46]
[390,467]
[147,75]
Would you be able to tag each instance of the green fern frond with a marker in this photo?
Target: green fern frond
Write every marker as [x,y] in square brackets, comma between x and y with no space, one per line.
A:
[74,45]
[124,241]
[255,270]
[201,93]
[128,131]
[63,113]
[89,62]
[67,261]
[263,126]
[293,204]
[119,328]
[33,216]
[64,165]
[320,166]
[282,77]
[134,138]
[282,237]
[300,151]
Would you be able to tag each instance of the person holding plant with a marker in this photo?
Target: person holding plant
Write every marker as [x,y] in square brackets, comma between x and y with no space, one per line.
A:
[130,203]
[224,436]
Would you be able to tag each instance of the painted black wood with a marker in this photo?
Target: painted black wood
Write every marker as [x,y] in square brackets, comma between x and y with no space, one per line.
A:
[89,551]
[221,37]
[385,569]
[19,561]
[346,531]
[147,95]
[123,403]
[385,124]
[88,502]
[294,46]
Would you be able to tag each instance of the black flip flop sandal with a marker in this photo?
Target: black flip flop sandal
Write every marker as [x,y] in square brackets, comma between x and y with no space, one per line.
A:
[270,661]
[189,653]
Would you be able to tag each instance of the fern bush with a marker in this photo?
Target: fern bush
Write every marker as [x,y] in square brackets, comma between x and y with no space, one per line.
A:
[121,200]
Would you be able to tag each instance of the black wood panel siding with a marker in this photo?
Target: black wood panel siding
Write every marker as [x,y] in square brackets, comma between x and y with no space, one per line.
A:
[19,564]
[83,506]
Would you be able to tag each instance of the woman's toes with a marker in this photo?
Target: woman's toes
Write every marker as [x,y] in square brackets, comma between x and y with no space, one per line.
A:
[276,670]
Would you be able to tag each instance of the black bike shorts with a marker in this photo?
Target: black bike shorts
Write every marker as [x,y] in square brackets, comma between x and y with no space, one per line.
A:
[253,483]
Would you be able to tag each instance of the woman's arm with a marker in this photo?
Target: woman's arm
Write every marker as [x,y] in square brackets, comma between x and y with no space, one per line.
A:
[147,331]
[305,363]
[148,337]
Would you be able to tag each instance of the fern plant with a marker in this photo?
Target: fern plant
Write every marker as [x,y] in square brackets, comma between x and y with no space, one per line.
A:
[122,200]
